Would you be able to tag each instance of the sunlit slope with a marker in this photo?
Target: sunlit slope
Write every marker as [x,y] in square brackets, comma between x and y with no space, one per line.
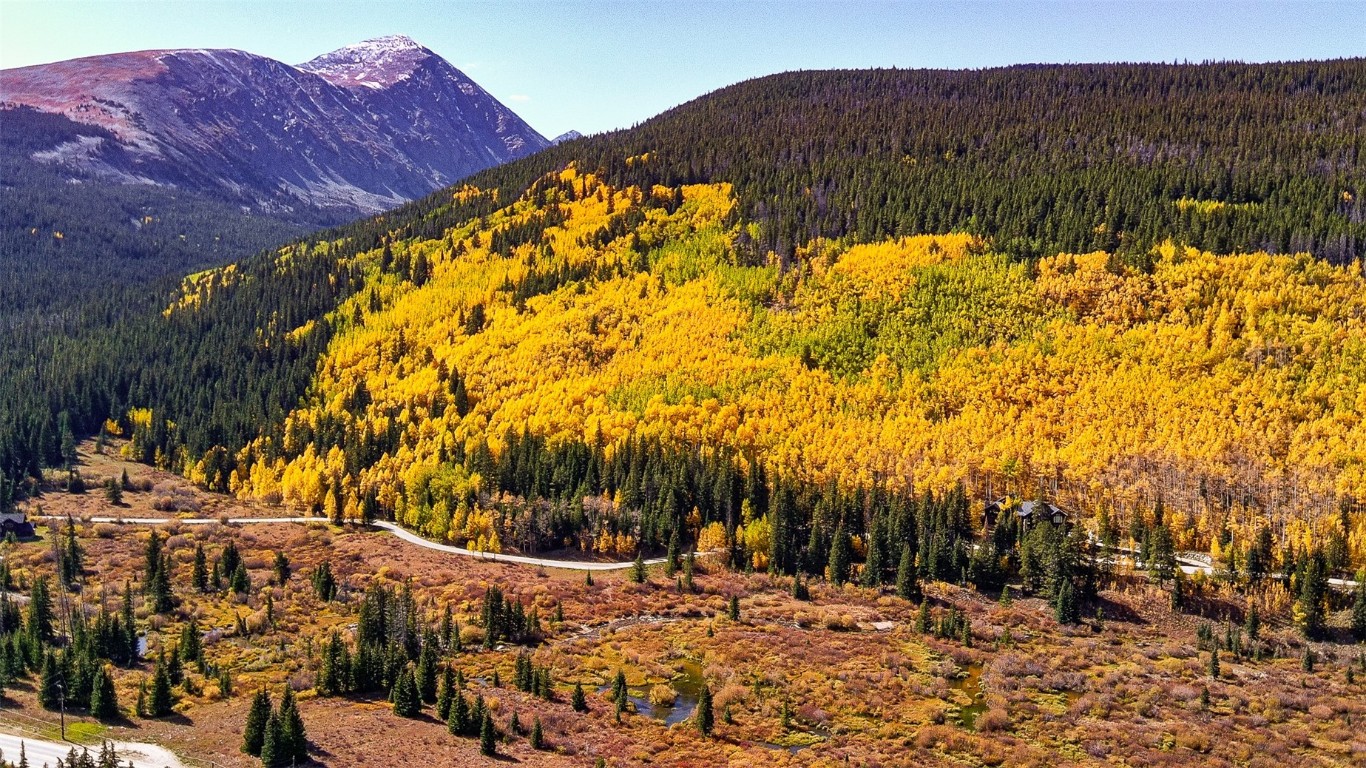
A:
[586,314]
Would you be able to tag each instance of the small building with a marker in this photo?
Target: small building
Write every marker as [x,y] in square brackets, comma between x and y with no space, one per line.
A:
[1026,511]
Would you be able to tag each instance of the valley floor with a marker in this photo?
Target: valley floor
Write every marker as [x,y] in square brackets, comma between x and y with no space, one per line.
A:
[842,678]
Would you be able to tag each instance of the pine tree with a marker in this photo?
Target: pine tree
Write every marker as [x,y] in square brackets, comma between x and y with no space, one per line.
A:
[160,699]
[1065,604]
[254,734]
[39,625]
[907,581]
[537,738]
[877,544]
[671,558]
[241,581]
[73,556]
[922,618]
[274,751]
[733,608]
[104,703]
[488,738]
[578,701]
[404,695]
[324,585]
[1214,663]
[113,492]
[281,569]
[199,578]
[458,719]
[705,717]
[1252,625]
[638,571]
[446,694]
[295,739]
[839,557]
[50,682]
[427,663]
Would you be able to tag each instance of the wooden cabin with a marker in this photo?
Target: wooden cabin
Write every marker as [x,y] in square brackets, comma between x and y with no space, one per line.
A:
[1027,512]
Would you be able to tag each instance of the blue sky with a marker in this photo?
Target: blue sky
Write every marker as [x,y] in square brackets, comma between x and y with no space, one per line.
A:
[595,66]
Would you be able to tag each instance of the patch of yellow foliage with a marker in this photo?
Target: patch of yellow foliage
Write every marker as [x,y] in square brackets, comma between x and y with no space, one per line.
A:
[1244,371]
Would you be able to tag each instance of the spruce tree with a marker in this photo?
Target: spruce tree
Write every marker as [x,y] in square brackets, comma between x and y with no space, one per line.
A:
[907,581]
[839,557]
[733,608]
[488,738]
[537,738]
[73,556]
[199,577]
[671,558]
[241,581]
[50,682]
[458,719]
[874,566]
[104,703]
[404,695]
[160,699]
[254,734]
[324,585]
[1214,663]
[427,663]
[578,701]
[39,625]
[274,751]
[281,569]
[705,717]
[638,571]
[1065,604]
[446,694]
[295,739]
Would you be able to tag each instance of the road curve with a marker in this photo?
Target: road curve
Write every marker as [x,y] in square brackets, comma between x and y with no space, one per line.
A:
[46,753]
[405,535]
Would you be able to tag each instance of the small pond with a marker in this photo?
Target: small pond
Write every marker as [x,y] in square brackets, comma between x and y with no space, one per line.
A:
[970,685]
[687,689]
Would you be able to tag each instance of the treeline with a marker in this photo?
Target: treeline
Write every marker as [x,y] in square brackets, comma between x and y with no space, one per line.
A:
[1041,158]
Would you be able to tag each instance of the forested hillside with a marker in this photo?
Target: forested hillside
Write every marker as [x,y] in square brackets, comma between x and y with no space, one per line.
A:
[773,317]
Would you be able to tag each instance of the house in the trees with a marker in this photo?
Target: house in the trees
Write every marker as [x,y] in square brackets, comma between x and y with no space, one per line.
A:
[1028,512]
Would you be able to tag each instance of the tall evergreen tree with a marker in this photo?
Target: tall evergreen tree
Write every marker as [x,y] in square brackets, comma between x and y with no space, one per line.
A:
[705,718]
[839,557]
[104,703]
[254,733]
[294,739]
[907,580]
[404,695]
[488,737]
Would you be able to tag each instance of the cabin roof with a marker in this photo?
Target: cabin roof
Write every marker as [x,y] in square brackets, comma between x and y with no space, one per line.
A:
[1025,508]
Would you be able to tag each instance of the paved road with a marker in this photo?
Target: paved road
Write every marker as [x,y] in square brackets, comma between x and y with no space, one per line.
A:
[41,753]
[405,535]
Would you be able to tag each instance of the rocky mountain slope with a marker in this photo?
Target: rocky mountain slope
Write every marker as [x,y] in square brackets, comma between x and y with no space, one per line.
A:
[357,130]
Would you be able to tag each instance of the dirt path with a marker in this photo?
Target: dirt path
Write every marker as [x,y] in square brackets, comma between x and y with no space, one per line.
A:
[405,535]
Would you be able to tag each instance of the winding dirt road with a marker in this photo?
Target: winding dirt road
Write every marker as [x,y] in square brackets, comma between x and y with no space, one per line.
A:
[405,535]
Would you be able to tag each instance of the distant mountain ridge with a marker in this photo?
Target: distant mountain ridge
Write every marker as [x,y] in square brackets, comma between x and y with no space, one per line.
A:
[358,130]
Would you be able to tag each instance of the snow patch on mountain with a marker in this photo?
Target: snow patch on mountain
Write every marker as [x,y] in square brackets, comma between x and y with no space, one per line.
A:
[376,63]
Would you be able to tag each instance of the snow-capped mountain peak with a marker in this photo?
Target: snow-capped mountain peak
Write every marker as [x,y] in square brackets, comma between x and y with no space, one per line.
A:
[375,63]
[365,127]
